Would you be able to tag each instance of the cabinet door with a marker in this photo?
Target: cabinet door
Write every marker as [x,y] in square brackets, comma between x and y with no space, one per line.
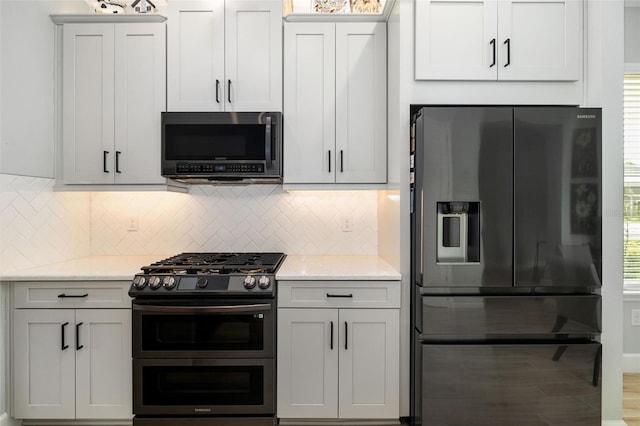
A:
[539,39]
[103,364]
[307,363]
[456,40]
[139,99]
[43,364]
[88,103]
[253,55]
[369,363]
[361,113]
[309,103]
[195,55]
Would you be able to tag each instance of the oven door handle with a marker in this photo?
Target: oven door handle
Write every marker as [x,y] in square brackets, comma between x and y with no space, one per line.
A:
[202,309]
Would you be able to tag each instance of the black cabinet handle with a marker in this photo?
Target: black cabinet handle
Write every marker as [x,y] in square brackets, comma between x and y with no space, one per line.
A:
[341,162]
[118,161]
[229,90]
[346,336]
[331,335]
[64,346]
[508,43]
[339,295]
[329,161]
[78,345]
[104,161]
[493,44]
[217,91]
[69,296]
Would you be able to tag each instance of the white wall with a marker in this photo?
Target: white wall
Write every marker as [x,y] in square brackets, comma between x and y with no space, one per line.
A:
[631,333]
[604,88]
[27,84]
[632,33]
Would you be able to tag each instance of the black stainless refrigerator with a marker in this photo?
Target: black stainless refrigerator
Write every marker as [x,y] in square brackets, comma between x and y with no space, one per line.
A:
[506,266]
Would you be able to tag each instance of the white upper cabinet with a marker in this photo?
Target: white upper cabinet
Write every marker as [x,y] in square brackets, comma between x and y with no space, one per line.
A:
[224,55]
[542,38]
[309,103]
[498,40]
[335,102]
[113,90]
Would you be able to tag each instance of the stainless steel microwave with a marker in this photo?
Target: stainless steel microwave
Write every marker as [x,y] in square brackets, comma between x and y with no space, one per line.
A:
[228,147]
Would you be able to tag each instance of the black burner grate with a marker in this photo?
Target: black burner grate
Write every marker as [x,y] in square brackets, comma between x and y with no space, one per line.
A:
[217,263]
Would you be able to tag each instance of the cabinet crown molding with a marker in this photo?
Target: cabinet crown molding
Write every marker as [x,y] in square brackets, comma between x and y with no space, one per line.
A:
[113,18]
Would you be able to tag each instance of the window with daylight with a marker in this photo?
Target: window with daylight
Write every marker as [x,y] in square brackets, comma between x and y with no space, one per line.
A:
[632,182]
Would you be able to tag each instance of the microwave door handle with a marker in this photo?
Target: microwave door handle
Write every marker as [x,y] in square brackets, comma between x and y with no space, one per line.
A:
[267,142]
[202,309]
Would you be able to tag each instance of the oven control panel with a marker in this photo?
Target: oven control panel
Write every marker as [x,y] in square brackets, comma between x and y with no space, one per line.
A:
[213,284]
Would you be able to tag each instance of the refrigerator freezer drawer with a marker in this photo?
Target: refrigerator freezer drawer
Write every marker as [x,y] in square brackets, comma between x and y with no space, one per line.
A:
[511,384]
[486,316]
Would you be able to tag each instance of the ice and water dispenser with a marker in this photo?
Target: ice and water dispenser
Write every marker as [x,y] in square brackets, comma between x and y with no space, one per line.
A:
[458,232]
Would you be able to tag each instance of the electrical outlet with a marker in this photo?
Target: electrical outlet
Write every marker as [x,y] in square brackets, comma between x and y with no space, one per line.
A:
[132,223]
[347,223]
[635,317]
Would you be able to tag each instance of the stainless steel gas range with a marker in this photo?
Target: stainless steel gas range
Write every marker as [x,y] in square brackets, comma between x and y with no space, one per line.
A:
[204,340]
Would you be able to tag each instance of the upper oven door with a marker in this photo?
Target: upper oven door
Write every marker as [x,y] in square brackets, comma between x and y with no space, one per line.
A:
[221,144]
[203,329]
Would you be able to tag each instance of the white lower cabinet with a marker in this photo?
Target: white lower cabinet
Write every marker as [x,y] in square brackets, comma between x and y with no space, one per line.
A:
[338,363]
[71,363]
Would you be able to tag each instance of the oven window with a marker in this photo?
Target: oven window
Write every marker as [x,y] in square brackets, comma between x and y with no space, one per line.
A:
[203,385]
[206,142]
[202,332]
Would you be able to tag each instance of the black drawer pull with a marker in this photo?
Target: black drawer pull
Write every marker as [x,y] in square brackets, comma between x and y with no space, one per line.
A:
[72,296]
[346,296]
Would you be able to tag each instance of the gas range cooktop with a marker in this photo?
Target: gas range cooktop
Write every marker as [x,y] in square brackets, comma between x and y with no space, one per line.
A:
[228,274]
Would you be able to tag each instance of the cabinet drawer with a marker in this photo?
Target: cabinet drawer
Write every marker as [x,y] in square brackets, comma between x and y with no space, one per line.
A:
[57,294]
[339,294]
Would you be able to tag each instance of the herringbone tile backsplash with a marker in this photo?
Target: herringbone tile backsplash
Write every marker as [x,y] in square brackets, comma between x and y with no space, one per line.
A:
[39,226]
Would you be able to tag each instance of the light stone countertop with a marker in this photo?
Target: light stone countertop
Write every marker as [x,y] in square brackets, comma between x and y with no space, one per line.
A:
[91,268]
[295,267]
[337,268]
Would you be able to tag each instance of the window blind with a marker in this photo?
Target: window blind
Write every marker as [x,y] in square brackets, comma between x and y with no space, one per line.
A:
[632,181]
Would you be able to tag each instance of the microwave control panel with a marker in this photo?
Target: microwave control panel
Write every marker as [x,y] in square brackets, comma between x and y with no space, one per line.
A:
[211,168]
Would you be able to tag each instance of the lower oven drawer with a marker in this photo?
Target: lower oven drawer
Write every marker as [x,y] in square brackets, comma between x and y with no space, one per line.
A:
[203,387]
[525,384]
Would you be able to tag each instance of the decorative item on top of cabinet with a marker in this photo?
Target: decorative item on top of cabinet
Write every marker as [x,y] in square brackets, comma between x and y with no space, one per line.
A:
[71,347]
[224,55]
[498,40]
[112,91]
[366,6]
[335,103]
